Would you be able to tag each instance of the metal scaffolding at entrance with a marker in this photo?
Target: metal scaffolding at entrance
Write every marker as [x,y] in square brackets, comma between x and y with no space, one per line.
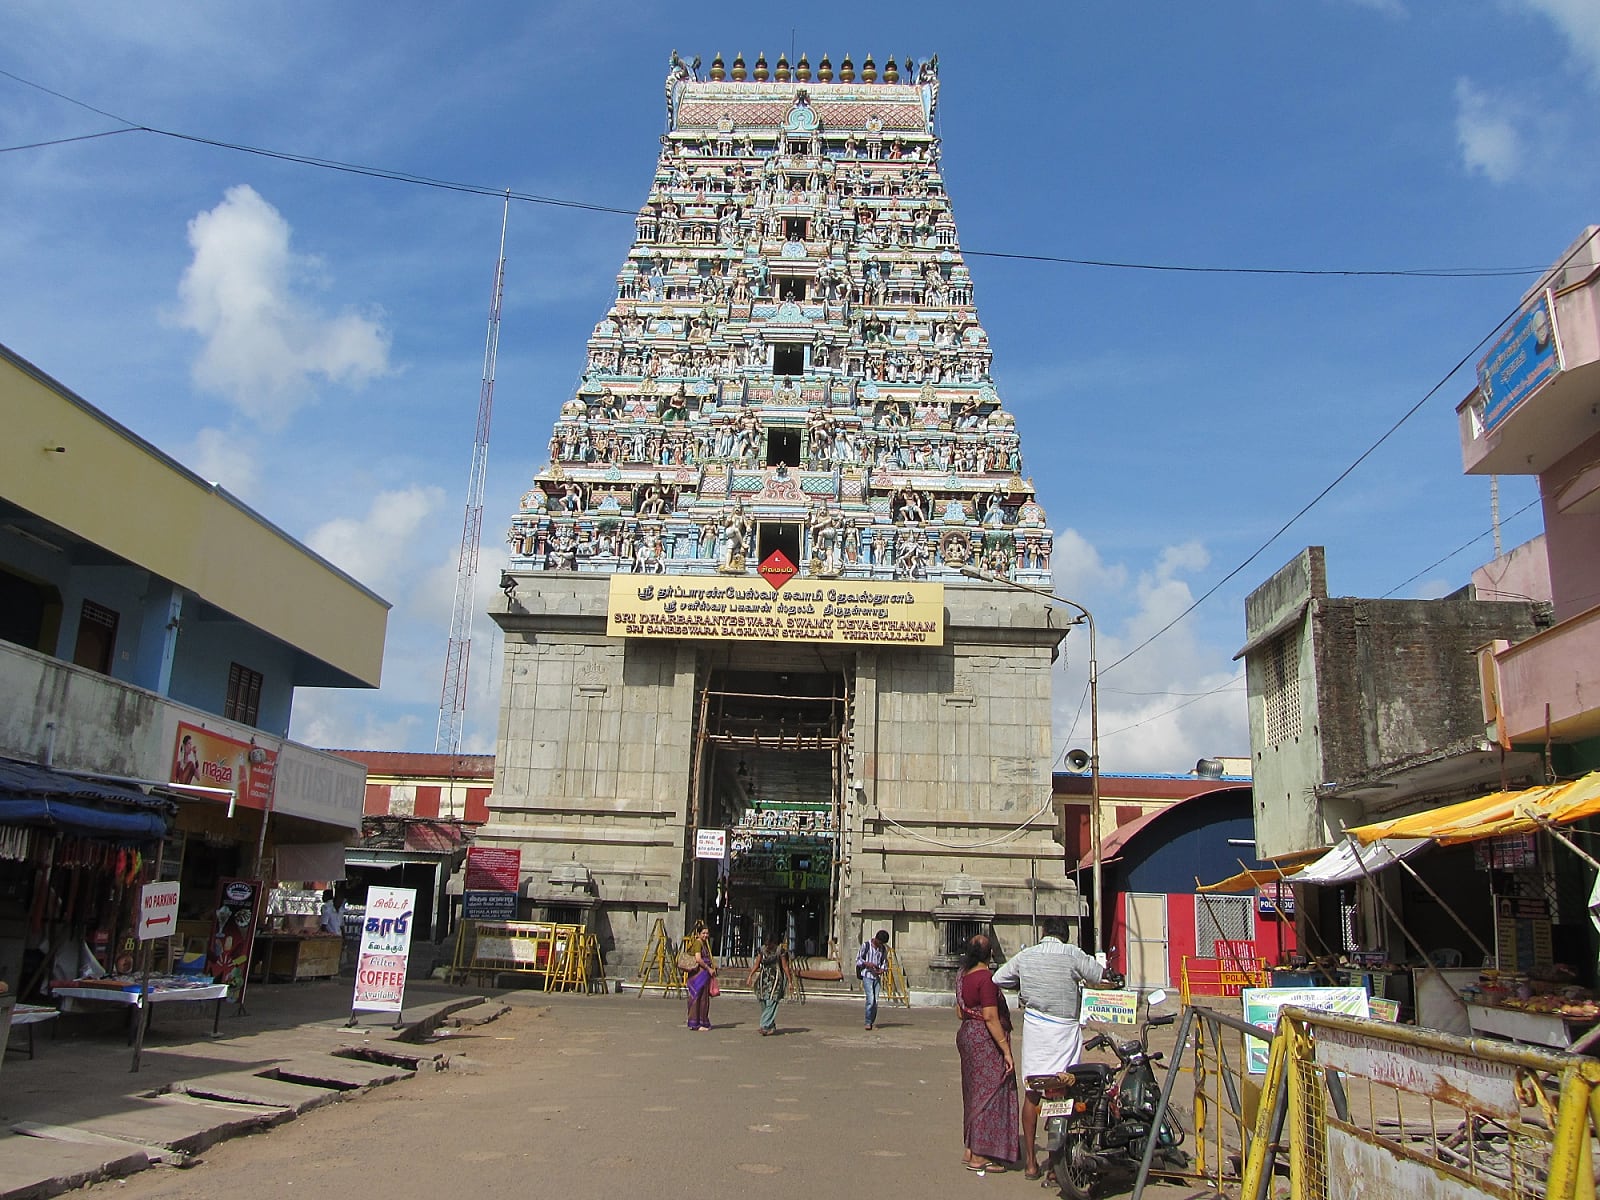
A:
[754,717]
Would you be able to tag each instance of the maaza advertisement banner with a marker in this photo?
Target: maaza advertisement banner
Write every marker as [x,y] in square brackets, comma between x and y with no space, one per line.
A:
[1261,1007]
[858,613]
[212,759]
[385,948]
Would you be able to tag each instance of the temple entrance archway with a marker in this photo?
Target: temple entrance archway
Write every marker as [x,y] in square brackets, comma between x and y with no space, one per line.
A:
[771,757]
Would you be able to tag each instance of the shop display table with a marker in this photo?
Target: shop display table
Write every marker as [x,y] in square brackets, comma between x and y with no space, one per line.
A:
[98,995]
[29,1015]
[297,956]
[1531,1028]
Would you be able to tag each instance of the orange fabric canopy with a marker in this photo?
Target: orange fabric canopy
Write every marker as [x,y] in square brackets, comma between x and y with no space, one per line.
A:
[1494,815]
[1249,881]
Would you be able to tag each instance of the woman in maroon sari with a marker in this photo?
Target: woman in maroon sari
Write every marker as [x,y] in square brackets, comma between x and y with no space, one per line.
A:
[988,1078]
[699,981]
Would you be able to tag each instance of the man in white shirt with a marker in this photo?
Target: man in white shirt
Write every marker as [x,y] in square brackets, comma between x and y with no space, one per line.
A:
[1050,978]
[331,916]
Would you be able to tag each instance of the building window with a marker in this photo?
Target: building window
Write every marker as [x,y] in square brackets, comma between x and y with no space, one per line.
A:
[97,637]
[1223,919]
[244,695]
[794,229]
[1281,691]
[790,287]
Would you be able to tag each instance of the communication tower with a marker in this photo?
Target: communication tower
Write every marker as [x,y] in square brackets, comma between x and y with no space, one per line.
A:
[453,698]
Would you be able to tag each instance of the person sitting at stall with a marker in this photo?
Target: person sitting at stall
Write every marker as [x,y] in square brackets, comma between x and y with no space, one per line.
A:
[331,915]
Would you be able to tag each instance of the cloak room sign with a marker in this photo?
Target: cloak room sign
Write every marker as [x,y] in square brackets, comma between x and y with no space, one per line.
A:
[842,611]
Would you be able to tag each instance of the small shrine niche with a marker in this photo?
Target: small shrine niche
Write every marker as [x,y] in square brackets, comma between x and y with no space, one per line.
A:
[569,897]
[962,913]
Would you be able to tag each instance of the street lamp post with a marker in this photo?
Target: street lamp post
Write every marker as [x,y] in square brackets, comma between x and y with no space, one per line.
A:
[1086,618]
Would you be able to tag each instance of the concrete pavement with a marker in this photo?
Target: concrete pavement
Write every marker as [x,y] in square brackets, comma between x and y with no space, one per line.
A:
[76,1113]
[581,1095]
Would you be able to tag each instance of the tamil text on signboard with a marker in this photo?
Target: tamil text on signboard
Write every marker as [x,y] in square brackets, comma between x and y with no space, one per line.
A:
[385,949]
[1526,356]
[862,613]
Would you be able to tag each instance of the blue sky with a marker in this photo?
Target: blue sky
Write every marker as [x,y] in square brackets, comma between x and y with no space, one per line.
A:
[313,339]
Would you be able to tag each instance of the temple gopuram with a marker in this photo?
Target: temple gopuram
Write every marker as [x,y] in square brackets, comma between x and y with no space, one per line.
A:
[753,674]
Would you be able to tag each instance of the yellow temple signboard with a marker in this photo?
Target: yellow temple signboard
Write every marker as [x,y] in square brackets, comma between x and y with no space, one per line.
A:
[858,612]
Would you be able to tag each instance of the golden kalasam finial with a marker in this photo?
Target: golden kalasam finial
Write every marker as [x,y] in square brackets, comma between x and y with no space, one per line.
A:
[782,74]
[869,71]
[761,73]
[847,71]
[891,73]
[825,70]
[718,70]
[802,69]
[739,73]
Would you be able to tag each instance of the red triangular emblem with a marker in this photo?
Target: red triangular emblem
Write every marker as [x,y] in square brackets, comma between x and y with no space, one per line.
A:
[776,569]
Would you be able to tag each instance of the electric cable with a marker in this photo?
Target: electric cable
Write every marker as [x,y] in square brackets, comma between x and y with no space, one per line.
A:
[371,172]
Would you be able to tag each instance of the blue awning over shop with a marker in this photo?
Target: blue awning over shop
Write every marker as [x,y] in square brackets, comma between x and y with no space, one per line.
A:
[35,795]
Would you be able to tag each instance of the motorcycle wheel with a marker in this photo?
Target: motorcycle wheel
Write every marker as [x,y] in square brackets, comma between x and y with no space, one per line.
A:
[1072,1174]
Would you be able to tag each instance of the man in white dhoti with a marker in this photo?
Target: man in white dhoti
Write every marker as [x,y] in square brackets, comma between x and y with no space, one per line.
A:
[1050,978]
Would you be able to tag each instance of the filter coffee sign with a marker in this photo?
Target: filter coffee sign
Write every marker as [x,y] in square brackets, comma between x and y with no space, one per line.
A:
[806,610]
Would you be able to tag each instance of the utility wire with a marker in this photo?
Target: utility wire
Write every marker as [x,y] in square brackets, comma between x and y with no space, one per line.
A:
[1465,545]
[350,168]
[1344,474]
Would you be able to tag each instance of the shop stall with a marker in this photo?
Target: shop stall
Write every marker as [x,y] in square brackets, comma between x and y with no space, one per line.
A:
[74,852]
[291,944]
[1531,988]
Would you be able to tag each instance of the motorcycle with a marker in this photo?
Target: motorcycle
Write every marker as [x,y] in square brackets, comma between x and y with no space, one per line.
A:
[1098,1117]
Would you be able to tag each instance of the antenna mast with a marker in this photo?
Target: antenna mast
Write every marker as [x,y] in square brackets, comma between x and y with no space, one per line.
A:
[453,698]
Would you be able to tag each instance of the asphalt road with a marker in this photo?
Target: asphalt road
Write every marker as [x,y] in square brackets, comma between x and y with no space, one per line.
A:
[610,1096]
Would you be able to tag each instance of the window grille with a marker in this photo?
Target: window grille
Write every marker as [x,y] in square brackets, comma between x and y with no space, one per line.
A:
[1281,694]
[1223,919]
[958,934]
[244,695]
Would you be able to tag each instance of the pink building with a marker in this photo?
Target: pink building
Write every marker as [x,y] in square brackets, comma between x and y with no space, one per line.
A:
[1536,411]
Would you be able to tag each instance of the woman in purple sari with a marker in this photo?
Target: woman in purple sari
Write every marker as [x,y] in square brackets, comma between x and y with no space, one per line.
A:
[988,1078]
[699,981]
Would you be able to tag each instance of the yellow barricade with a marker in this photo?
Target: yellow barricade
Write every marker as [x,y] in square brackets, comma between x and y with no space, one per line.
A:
[561,957]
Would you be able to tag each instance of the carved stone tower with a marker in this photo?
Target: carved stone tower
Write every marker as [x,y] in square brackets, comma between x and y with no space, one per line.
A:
[736,613]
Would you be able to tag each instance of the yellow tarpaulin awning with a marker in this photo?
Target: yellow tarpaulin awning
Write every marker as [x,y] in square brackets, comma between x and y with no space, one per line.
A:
[1249,881]
[1494,815]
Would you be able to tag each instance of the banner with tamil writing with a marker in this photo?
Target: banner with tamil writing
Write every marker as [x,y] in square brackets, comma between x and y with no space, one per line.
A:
[841,611]
[385,950]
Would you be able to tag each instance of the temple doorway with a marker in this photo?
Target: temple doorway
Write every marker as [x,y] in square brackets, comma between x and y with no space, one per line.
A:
[772,754]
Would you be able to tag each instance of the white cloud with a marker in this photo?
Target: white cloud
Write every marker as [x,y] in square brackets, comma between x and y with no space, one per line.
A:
[1171,703]
[373,548]
[1486,129]
[264,340]
[225,457]
[1578,21]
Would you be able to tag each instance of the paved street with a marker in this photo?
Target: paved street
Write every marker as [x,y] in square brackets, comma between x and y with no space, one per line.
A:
[601,1096]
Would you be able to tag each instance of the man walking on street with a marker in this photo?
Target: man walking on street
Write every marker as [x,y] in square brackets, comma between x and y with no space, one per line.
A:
[1050,977]
[872,963]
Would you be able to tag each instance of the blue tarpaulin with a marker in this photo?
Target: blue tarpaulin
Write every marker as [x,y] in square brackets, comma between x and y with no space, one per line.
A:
[35,795]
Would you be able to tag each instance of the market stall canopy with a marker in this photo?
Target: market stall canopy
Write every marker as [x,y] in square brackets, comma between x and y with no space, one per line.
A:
[1494,815]
[35,795]
[1249,881]
[1348,861]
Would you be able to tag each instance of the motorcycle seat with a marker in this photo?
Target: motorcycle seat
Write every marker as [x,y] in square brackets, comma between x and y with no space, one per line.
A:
[1058,1082]
[1085,1070]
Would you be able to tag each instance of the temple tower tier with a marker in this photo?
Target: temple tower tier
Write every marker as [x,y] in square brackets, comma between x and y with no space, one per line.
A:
[748,677]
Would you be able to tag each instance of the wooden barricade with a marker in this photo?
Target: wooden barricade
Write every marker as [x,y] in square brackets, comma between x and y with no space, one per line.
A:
[893,988]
